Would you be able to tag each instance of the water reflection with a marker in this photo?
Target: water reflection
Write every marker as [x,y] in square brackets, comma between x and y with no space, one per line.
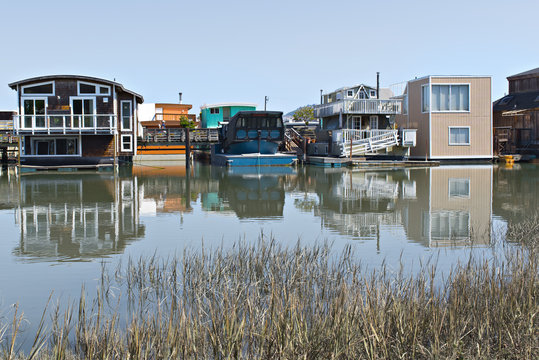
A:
[73,215]
[84,215]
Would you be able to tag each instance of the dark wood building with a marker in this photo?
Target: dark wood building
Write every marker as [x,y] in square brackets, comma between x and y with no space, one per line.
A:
[516,115]
[73,120]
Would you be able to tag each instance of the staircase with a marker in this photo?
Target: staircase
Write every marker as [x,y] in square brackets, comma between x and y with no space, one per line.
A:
[362,142]
[294,139]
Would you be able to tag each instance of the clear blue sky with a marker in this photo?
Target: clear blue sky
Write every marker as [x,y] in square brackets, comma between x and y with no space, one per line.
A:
[217,51]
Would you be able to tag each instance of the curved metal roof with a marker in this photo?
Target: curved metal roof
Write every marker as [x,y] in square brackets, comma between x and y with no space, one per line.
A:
[14,85]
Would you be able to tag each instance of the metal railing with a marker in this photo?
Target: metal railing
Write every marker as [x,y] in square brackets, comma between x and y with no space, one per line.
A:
[179,135]
[65,124]
[360,106]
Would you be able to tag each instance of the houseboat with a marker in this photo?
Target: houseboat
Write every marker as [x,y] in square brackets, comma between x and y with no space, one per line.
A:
[75,121]
[214,114]
[252,136]
[359,120]
[452,115]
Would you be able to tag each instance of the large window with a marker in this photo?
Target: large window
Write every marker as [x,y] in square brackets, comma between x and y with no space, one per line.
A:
[34,111]
[83,110]
[85,88]
[54,146]
[214,110]
[450,98]
[459,135]
[39,89]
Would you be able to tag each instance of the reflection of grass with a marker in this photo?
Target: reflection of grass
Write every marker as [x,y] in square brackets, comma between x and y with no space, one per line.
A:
[525,232]
[265,301]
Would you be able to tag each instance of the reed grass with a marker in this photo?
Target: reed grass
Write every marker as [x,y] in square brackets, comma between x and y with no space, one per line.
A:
[266,301]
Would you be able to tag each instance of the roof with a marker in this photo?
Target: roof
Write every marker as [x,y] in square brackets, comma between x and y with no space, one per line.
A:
[384,93]
[14,85]
[449,76]
[525,74]
[206,106]
[518,101]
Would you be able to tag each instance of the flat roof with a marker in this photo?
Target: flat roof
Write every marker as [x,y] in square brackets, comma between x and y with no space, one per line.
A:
[206,106]
[450,76]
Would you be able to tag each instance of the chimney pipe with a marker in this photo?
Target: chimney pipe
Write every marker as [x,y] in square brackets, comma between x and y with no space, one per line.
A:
[378,85]
[180,97]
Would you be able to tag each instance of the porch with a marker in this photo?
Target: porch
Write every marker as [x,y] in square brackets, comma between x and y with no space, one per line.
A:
[359,106]
[65,124]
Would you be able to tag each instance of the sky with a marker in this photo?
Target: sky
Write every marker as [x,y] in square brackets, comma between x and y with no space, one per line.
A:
[241,51]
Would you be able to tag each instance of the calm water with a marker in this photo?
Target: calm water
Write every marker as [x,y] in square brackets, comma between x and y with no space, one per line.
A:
[57,228]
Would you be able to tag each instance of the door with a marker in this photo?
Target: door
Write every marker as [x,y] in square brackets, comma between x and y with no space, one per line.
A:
[226,114]
[83,111]
[374,122]
[34,111]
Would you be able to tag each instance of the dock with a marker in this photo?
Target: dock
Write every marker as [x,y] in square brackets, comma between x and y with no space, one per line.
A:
[326,161]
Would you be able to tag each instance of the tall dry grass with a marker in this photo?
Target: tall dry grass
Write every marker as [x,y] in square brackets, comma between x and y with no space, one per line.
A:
[265,301]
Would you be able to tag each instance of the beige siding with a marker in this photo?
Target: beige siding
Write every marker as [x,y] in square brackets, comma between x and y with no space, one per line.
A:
[417,120]
[478,119]
[478,203]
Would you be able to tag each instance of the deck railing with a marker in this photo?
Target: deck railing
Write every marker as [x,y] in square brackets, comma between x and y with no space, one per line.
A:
[179,135]
[65,124]
[360,106]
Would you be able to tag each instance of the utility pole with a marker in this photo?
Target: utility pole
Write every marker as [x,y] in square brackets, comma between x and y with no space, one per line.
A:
[266,99]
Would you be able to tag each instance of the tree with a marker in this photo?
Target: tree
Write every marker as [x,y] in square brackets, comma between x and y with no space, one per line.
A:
[305,114]
[186,123]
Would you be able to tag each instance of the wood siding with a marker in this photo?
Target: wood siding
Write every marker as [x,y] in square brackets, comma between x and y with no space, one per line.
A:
[526,84]
[478,119]
[97,146]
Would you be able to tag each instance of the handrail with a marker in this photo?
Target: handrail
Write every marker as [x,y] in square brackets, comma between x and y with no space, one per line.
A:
[179,135]
[65,123]
[357,135]
[359,106]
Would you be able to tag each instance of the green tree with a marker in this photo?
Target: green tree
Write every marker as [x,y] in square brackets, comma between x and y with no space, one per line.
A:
[186,123]
[305,113]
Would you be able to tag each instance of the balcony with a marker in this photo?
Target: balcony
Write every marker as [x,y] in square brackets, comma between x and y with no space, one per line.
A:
[104,124]
[360,106]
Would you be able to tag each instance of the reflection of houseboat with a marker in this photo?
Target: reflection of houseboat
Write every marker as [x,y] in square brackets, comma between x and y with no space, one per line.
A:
[76,215]
[255,135]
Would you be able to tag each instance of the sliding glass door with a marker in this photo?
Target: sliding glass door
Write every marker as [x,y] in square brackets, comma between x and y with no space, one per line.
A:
[83,111]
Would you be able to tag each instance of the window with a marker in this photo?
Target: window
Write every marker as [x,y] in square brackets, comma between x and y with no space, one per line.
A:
[405,105]
[425,106]
[450,97]
[85,88]
[459,188]
[350,93]
[362,95]
[55,146]
[373,122]
[83,111]
[372,93]
[34,111]
[459,135]
[127,143]
[126,114]
[39,89]
[214,111]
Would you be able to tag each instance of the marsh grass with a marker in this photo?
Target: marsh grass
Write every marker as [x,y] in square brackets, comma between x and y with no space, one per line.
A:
[266,301]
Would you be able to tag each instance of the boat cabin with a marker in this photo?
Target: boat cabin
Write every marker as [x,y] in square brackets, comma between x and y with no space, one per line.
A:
[73,120]
[253,132]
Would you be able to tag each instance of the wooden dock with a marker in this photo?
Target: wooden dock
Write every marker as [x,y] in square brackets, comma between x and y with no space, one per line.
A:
[325,161]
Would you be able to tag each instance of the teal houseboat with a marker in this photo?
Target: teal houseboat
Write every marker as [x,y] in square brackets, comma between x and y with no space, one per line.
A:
[212,115]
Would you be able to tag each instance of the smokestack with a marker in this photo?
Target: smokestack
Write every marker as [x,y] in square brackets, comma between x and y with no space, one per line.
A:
[180,97]
[378,85]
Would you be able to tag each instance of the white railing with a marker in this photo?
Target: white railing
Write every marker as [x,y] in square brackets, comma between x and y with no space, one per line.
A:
[65,124]
[6,125]
[361,106]
[358,142]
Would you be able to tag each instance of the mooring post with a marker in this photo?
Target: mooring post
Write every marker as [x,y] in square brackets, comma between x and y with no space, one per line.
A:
[187,150]
[4,155]
[305,150]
